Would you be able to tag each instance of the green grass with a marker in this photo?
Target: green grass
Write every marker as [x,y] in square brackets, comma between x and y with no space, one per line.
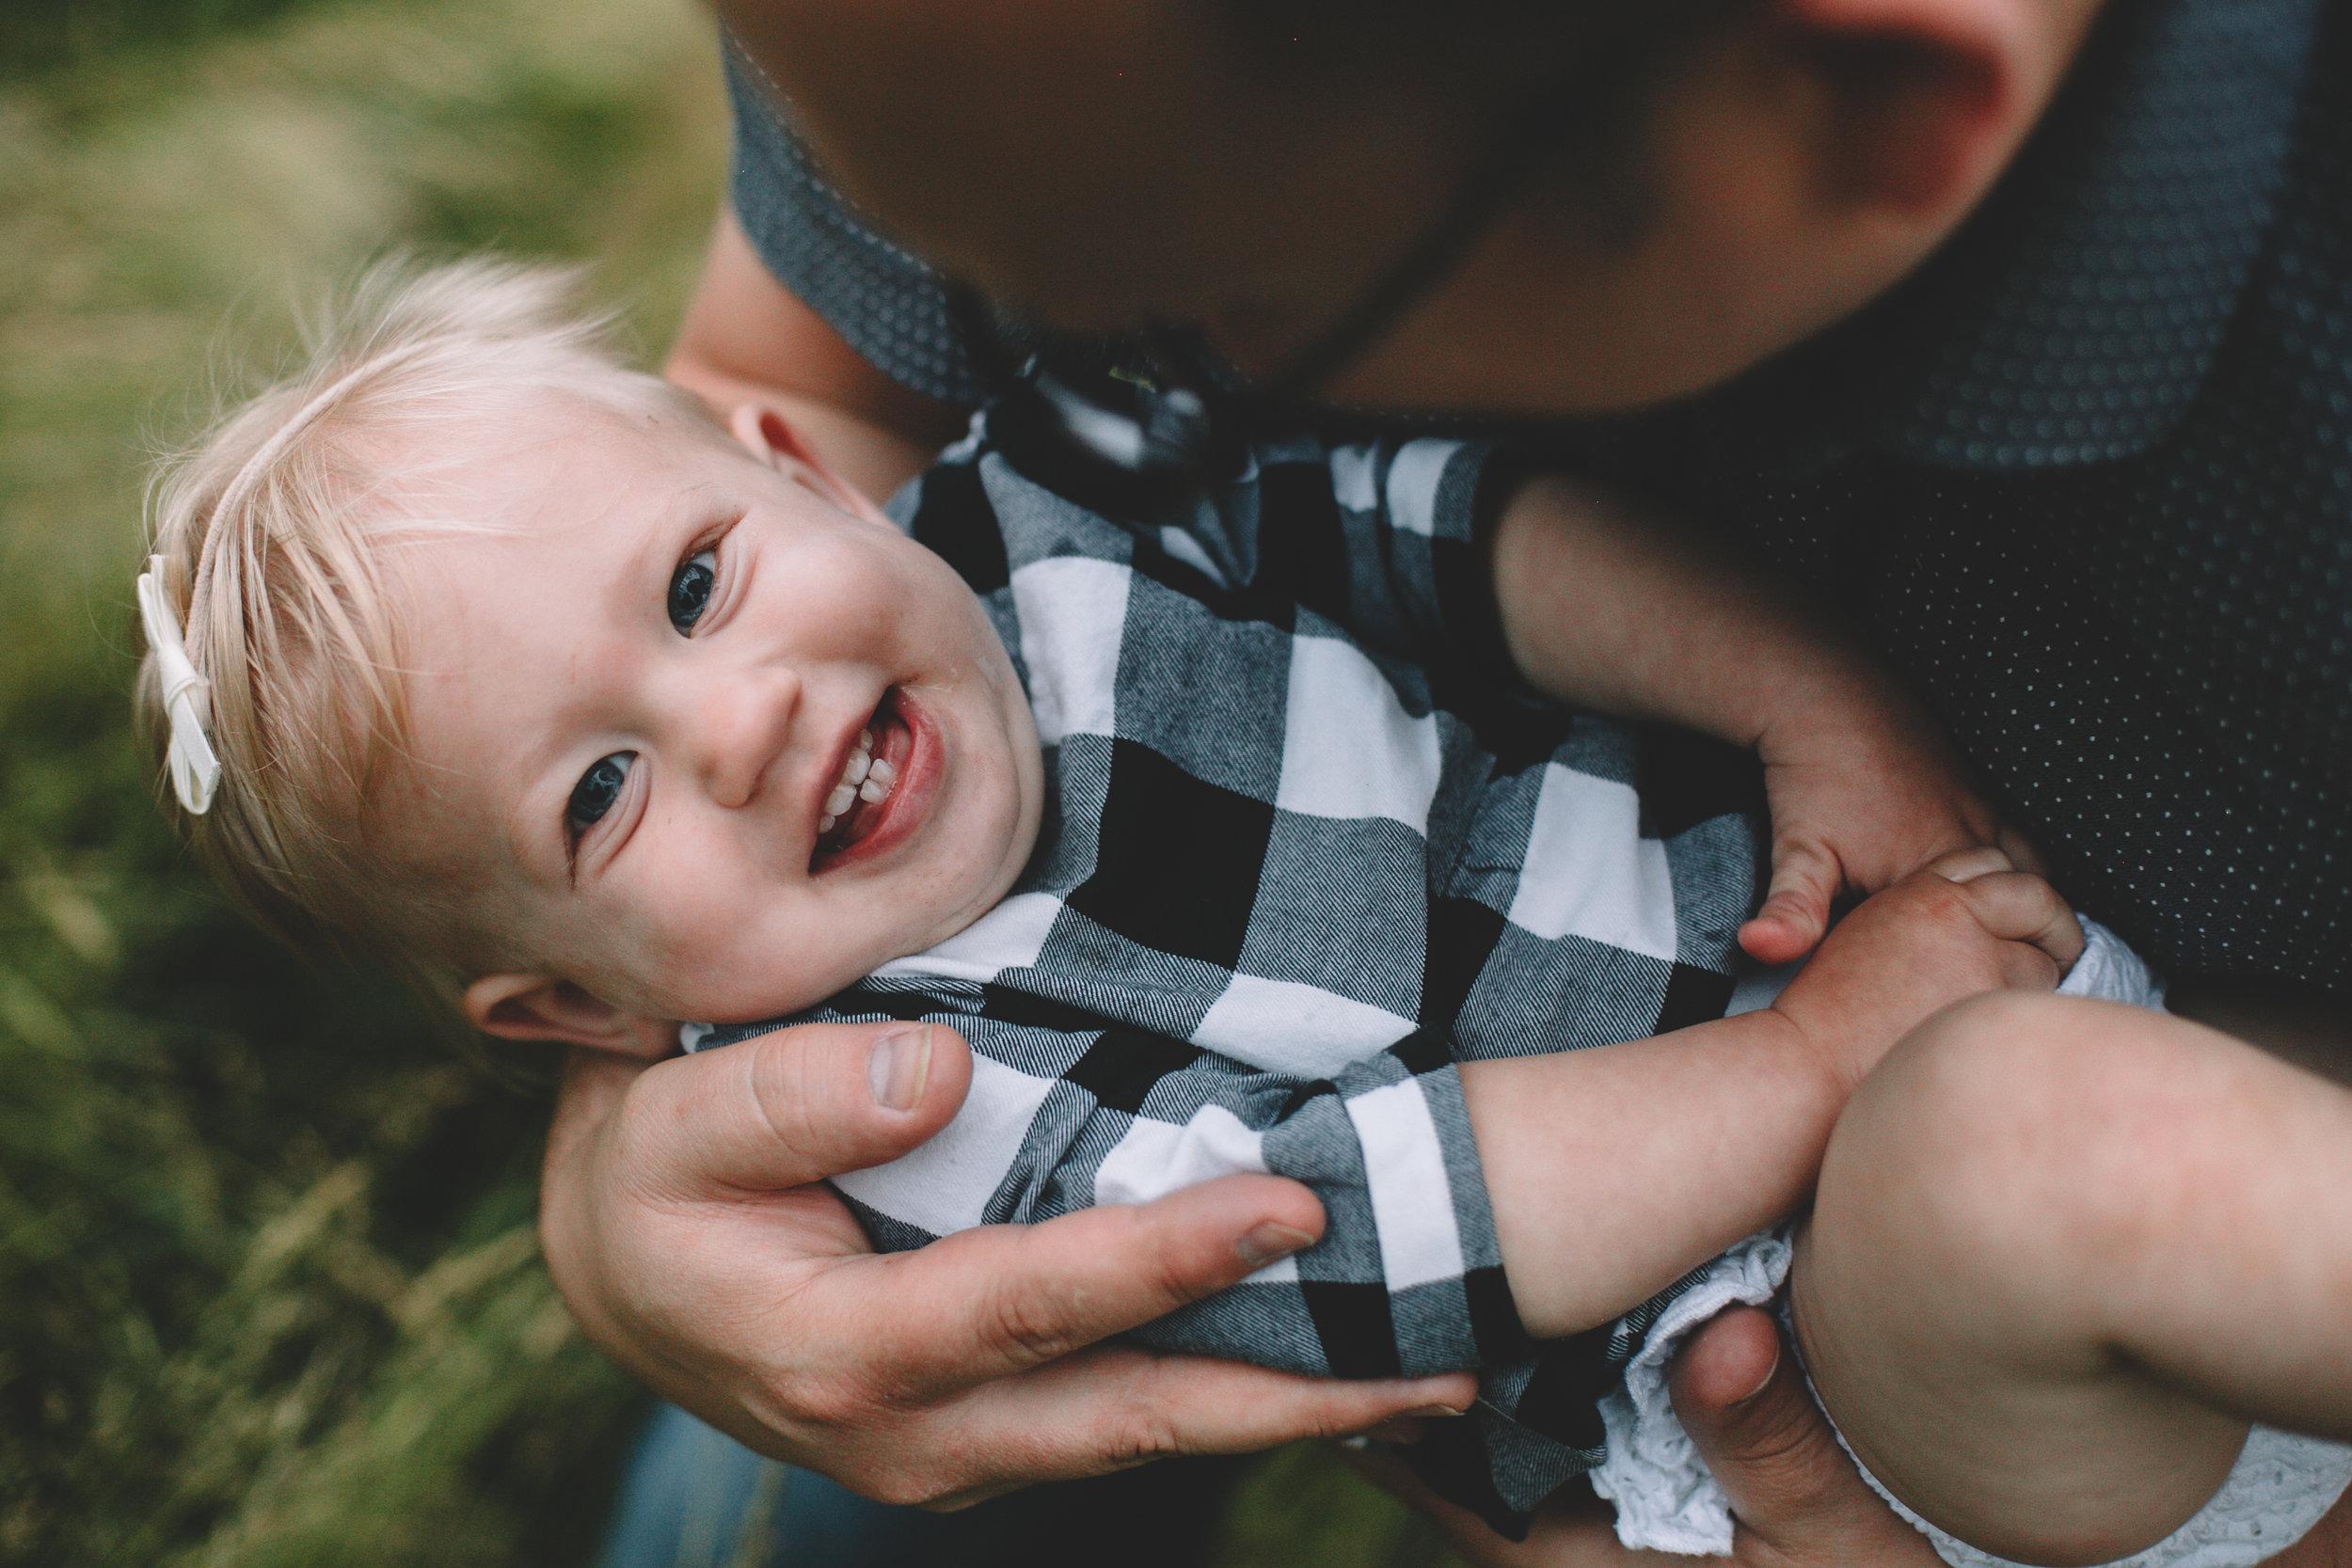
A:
[268,1288]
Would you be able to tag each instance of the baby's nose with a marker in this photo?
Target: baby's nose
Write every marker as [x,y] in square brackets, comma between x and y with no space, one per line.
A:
[743,726]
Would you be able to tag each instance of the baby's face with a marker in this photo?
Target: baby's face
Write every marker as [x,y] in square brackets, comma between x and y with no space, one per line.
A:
[635,707]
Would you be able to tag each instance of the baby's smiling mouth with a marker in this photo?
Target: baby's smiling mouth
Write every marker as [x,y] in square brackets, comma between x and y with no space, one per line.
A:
[853,806]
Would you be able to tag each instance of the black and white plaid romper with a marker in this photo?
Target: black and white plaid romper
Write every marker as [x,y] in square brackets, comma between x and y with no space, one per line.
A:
[1305,846]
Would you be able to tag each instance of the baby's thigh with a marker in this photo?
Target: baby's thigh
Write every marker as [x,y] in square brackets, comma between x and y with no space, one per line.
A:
[1983,1197]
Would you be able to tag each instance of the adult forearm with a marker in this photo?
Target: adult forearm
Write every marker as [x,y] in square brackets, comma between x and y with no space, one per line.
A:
[1610,606]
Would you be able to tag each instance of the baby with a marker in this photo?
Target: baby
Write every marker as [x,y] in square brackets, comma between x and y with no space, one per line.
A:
[1253,840]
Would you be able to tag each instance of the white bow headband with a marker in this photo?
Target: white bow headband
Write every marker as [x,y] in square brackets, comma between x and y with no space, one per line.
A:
[195,771]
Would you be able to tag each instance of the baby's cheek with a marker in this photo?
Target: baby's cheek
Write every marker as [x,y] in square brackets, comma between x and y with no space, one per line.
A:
[750,965]
[862,599]
[663,953]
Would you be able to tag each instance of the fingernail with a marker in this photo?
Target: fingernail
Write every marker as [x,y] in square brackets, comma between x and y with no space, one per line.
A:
[1766,1381]
[1270,1243]
[899,1066]
[1435,1410]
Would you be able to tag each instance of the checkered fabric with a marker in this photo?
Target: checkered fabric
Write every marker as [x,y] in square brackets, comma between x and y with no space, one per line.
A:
[1306,848]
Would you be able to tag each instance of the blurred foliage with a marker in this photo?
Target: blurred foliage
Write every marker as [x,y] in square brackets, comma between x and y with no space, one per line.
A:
[35,34]
[1301,1507]
[269,1292]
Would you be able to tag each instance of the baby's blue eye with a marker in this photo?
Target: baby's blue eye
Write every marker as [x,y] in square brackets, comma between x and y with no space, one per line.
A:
[690,590]
[597,789]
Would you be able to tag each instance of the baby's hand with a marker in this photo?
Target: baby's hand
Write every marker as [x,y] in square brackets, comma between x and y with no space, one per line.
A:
[1856,806]
[1967,924]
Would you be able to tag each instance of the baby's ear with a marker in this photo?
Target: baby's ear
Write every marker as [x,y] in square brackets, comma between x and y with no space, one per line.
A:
[769,437]
[541,1007]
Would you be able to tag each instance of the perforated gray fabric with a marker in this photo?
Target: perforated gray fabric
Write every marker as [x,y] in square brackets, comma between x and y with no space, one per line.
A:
[2112,535]
[889,305]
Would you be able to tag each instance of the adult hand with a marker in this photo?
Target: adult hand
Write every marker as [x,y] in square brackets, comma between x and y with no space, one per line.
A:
[1797,1500]
[682,1224]
[1858,803]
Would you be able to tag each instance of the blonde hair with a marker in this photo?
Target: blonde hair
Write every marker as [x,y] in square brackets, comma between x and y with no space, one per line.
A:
[274,527]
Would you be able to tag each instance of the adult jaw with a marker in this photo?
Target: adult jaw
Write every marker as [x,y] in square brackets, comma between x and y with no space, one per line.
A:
[1795,163]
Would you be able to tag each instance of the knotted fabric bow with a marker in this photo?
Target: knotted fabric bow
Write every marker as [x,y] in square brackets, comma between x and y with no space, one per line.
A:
[195,771]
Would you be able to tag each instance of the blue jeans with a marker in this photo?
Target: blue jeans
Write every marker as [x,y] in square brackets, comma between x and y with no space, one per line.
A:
[694,1498]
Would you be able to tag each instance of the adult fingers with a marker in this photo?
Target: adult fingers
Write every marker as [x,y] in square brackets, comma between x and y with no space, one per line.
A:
[1000,1299]
[788,1108]
[1798,1498]
[1966,865]
[1805,881]
[1116,1406]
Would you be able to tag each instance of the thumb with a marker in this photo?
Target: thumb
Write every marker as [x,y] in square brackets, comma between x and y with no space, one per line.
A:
[1807,877]
[1744,1402]
[788,1108]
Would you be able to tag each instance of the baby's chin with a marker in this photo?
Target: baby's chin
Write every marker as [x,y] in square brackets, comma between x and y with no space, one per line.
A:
[754,990]
[729,999]
[737,1004]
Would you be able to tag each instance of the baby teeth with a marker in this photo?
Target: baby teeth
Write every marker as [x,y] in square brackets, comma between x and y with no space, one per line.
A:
[864,777]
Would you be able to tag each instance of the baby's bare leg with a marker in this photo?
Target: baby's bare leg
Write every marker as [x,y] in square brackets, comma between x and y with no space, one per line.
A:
[2063,1251]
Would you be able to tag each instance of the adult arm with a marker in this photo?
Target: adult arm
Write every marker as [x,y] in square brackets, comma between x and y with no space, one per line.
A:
[682,1224]
[1798,1501]
[1604,604]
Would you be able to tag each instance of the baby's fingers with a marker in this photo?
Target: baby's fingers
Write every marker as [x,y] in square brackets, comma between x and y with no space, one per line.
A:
[1805,878]
[2018,906]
